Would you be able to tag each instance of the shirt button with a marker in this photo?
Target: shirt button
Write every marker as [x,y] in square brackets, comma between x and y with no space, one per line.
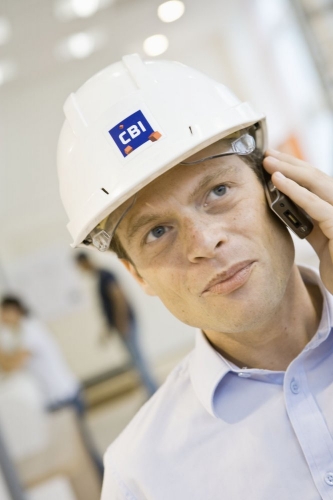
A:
[294,387]
[329,478]
[244,375]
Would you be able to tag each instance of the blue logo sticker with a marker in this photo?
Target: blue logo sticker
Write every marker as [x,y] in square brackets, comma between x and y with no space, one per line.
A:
[132,132]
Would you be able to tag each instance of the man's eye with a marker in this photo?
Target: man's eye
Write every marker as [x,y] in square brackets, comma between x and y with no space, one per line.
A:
[220,190]
[156,233]
[217,192]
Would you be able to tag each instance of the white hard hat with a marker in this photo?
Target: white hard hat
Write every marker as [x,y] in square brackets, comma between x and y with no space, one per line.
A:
[132,122]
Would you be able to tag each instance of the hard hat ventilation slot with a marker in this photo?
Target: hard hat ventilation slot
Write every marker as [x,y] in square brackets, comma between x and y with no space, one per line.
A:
[191,130]
[105,191]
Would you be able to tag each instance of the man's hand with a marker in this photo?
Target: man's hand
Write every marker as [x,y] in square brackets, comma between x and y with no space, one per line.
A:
[312,190]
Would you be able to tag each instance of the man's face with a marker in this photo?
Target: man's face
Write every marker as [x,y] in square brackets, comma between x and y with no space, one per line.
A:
[197,225]
[10,316]
[84,265]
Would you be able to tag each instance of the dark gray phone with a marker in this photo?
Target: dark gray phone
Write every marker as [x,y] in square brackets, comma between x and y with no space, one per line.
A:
[291,214]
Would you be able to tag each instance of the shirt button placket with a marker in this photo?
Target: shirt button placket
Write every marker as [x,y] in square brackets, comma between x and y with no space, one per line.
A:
[294,386]
[312,434]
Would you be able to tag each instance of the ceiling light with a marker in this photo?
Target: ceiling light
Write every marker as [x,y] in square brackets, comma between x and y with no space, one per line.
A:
[80,45]
[66,10]
[155,45]
[5,30]
[170,11]
[84,8]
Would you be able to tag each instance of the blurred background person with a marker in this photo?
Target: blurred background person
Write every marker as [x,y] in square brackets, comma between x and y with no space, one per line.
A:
[27,345]
[119,317]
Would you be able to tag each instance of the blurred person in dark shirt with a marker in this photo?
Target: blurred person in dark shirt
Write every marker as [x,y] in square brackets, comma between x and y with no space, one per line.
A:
[119,316]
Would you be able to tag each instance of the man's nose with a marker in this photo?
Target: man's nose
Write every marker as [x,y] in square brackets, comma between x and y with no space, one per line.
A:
[202,238]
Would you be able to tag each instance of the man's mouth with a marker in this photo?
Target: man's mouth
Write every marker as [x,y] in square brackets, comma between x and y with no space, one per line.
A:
[231,279]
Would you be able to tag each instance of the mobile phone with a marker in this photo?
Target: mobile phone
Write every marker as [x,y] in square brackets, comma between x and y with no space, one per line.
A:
[291,214]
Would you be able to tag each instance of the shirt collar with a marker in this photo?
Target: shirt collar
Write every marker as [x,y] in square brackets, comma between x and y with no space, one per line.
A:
[208,367]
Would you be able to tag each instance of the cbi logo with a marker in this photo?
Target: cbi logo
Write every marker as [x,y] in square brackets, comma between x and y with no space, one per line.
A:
[132,132]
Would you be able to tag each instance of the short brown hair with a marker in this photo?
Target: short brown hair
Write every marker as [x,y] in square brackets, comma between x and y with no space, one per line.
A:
[14,302]
[254,161]
[118,249]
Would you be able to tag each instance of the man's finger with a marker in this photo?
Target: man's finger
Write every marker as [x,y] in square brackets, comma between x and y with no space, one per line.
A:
[303,174]
[286,158]
[274,158]
[318,209]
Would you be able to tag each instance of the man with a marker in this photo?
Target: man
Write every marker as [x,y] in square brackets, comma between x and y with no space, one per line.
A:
[27,345]
[248,414]
[119,316]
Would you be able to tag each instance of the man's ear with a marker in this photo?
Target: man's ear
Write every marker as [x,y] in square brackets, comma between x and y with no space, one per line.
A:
[138,278]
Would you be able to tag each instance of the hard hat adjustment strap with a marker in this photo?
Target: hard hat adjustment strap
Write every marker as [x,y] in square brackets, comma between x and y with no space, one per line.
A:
[101,238]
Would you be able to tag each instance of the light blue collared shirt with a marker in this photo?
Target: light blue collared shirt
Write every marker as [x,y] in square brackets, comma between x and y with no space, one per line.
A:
[215,431]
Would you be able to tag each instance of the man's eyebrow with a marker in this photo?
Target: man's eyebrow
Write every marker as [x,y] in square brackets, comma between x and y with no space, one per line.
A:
[207,179]
[141,221]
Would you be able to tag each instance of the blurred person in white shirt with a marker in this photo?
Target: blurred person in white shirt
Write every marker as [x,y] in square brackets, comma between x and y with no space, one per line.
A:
[26,344]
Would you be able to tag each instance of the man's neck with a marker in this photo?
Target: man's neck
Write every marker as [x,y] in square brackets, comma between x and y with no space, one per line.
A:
[276,342]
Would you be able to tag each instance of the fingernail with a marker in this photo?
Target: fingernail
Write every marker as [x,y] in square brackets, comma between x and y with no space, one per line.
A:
[279,175]
[274,151]
[272,159]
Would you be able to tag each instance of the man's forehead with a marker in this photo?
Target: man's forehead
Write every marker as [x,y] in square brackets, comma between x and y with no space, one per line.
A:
[184,177]
[187,180]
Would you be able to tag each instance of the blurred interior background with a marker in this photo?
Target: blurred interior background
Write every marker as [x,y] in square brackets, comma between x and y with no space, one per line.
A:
[276,54]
